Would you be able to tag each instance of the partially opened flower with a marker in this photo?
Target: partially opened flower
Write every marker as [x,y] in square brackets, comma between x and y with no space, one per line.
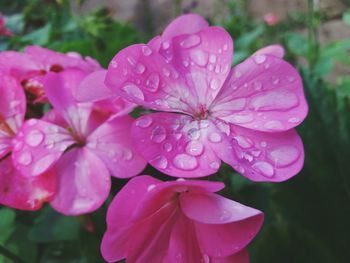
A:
[15,190]
[83,147]
[207,113]
[31,67]
[3,30]
[180,221]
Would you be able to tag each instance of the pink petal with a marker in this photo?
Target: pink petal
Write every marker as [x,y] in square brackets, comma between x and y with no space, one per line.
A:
[59,90]
[273,50]
[227,229]
[240,257]
[203,59]
[38,146]
[150,238]
[17,64]
[24,193]
[183,244]
[264,156]
[142,76]
[92,88]
[12,106]
[263,93]
[176,144]
[112,143]
[83,182]
[114,242]
[161,193]
[49,58]
[185,24]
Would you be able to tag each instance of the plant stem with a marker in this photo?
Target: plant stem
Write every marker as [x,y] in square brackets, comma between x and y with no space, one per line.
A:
[7,253]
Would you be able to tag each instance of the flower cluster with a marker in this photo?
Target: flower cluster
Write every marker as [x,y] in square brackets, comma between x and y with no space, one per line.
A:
[203,113]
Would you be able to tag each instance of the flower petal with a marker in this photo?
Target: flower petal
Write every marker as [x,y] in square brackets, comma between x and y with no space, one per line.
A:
[60,90]
[17,64]
[24,193]
[273,50]
[203,59]
[142,76]
[262,156]
[223,227]
[38,146]
[240,257]
[114,242]
[12,106]
[112,143]
[83,182]
[176,144]
[263,93]
[185,24]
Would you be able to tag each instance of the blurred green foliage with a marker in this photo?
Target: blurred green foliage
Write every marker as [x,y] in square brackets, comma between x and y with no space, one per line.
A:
[307,218]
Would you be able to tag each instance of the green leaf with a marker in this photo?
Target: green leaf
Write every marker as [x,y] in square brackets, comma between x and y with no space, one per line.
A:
[346,17]
[40,36]
[7,224]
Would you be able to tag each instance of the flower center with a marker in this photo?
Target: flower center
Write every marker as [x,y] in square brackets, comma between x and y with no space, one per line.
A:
[202,113]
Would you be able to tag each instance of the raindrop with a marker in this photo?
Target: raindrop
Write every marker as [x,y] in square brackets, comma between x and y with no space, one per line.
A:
[144,122]
[151,187]
[166,72]
[283,155]
[32,122]
[194,148]
[264,168]
[194,134]
[167,147]
[160,162]
[225,215]
[152,83]
[191,41]
[243,142]
[25,158]
[114,64]
[139,68]
[215,137]
[259,59]
[133,90]
[274,125]
[146,50]
[158,134]
[128,154]
[263,144]
[214,165]
[199,57]
[185,162]
[212,58]
[166,44]
[214,84]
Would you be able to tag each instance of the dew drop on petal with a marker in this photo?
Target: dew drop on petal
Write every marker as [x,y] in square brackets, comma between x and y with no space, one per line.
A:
[199,57]
[263,144]
[146,50]
[243,142]
[114,64]
[194,148]
[214,165]
[214,84]
[167,147]
[166,44]
[185,162]
[32,122]
[133,90]
[274,125]
[191,41]
[25,158]
[215,137]
[139,68]
[128,155]
[193,134]
[160,162]
[259,59]
[151,187]
[225,215]
[264,168]
[282,156]
[294,120]
[144,122]
[158,134]
[152,82]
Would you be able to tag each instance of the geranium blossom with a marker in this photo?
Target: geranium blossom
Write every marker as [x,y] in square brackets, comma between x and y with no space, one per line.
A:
[15,190]
[79,144]
[207,113]
[180,221]
[3,30]
[31,67]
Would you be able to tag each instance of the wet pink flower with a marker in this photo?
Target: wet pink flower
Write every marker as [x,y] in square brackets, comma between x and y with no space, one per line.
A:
[80,145]
[17,191]
[208,112]
[180,221]
[3,30]
[271,19]
[31,67]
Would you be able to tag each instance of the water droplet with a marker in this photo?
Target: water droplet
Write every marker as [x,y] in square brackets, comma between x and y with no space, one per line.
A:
[146,50]
[160,162]
[225,215]
[215,137]
[34,138]
[166,44]
[217,68]
[264,168]
[257,85]
[128,155]
[214,165]
[242,118]
[274,100]
[275,80]
[17,146]
[25,158]
[158,134]
[92,144]
[259,59]
[180,180]
[237,73]
[214,84]
[166,72]
[210,67]
[291,79]
[167,147]
[194,148]
[133,90]
[274,125]
[185,162]
[144,122]
[193,134]
[243,141]
[139,68]
[283,156]
[263,144]
[43,164]
[131,61]
[294,120]
[199,57]
[225,68]
[114,64]
[152,82]
[151,187]
[186,63]
[212,58]
[191,41]
[225,47]
[32,122]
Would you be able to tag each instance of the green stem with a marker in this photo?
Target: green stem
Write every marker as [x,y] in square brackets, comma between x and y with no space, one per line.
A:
[178,7]
[312,35]
[7,253]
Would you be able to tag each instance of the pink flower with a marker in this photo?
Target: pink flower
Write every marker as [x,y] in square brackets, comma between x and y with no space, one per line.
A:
[31,67]
[207,113]
[271,19]
[3,30]
[15,190]
[79,144]
[179,221]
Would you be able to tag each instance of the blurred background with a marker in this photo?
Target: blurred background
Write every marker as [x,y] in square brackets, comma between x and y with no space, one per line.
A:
[307,217]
